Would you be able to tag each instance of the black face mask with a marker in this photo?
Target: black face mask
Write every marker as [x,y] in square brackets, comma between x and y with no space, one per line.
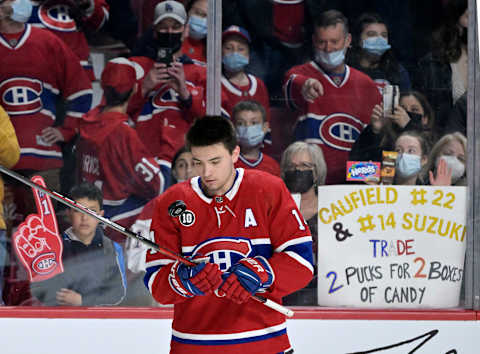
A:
[464,36]
[299,181]
[172,41]
[415,117]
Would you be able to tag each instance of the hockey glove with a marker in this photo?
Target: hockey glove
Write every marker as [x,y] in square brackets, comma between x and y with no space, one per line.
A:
[193,281]
[247,277]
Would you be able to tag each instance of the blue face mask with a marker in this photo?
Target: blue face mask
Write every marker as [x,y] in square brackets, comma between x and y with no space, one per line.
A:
[250,136]
[408,165]
[330,60]
[21,10]
[376,45]
[197,26]
[235,62]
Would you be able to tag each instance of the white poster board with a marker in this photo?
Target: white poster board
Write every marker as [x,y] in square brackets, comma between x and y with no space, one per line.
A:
[391,246]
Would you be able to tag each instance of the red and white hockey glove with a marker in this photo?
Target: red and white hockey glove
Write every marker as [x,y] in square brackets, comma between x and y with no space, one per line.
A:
[188,281]
[247,277]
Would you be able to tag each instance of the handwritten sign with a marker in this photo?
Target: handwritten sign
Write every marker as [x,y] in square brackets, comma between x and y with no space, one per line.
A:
[391,246]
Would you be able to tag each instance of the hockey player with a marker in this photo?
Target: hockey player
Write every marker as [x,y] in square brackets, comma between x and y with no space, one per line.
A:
[110,153]
[172,92]
[333,101]
[248,226]
[68,20]
[250,123]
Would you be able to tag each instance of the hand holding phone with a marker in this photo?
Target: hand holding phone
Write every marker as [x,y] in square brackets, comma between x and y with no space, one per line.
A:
[391,98]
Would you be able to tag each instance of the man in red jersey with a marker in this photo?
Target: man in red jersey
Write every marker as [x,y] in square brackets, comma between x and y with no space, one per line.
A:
[248,226]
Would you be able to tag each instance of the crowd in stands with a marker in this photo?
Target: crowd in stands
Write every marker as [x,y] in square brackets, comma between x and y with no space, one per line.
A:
[303,83]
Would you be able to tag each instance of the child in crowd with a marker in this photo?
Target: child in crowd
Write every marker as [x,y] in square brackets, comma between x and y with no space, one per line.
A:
[250,122]
[94,271]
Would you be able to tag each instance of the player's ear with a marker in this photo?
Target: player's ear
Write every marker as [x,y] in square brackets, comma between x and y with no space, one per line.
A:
[235,153]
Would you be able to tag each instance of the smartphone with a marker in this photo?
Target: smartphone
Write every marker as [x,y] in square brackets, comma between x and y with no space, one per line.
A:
[165,55]
[391,97]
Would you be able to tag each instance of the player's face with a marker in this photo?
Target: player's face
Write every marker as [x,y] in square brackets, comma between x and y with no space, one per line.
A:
[330,39]
[183,169]
[84,226]
[215,166]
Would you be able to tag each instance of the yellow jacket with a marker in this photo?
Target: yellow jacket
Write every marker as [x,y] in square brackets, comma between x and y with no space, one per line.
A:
[9,152]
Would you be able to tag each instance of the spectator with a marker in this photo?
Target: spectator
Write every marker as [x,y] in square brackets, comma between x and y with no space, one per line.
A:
[303,170]
[69,20]
[413,113]
[111,154]
[182,166]
[172,94]
[413,151]
[333,101]
[250,122]
[195,44]
[446,162]
[372,53]
[443,74]
[30,90]
[237,84]
[9,155]
[94,270]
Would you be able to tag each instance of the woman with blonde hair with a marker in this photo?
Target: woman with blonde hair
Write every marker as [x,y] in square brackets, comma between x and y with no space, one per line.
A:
[446,163]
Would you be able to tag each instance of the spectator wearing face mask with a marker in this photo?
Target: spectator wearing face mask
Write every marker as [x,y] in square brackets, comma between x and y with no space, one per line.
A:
[413,113]
[237,84]
[446,162]
[172,92]
[372,53]
[251,126]
[412,150]
[303,169]
[333,102]
[195,44]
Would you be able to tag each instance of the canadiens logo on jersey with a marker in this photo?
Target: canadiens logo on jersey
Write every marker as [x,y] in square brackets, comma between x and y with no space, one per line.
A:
[54,14]
[224,251]
[21,95]
[337,130]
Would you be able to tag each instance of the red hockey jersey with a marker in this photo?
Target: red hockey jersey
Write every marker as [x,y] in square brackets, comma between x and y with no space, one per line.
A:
[255,90]
[37,70]
[55,15]
[164,120]
[111,155]
[257,216]
[335,120]
[263,163]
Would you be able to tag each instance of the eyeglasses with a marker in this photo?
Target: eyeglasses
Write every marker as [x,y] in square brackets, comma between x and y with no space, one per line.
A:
[303,166]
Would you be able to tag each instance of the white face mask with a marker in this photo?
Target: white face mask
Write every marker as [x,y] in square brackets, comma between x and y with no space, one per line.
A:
[330,60]
[457,166]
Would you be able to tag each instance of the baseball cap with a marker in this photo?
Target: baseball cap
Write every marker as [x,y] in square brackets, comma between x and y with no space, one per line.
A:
[121,74]
[239,31]
[170,9]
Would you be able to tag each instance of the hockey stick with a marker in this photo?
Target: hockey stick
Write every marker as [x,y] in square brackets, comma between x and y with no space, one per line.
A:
[176,209]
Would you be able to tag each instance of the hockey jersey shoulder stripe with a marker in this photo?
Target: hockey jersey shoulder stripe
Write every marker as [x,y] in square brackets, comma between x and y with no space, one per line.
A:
[295,241]
[228,339]
[41,153]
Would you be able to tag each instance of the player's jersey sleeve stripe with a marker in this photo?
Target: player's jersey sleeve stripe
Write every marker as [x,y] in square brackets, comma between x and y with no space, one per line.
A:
[159,262]
[295,241]
[300,260]
[148,279]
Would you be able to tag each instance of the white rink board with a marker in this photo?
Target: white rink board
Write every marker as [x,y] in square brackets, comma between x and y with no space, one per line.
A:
[127,336]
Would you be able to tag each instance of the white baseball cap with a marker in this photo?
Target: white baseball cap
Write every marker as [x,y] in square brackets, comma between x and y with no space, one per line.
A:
[170,9]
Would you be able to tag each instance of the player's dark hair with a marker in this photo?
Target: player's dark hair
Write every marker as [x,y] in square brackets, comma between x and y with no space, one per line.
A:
[211,130]
[249,105]
[331,18]
[87,190]
[114,98]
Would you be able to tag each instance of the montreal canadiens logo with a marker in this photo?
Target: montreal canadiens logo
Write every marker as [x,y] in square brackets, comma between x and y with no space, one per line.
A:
[187,218]
[224,251]
[44,264]
[340,130]
[55,15]
[21,95]
[165,97]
